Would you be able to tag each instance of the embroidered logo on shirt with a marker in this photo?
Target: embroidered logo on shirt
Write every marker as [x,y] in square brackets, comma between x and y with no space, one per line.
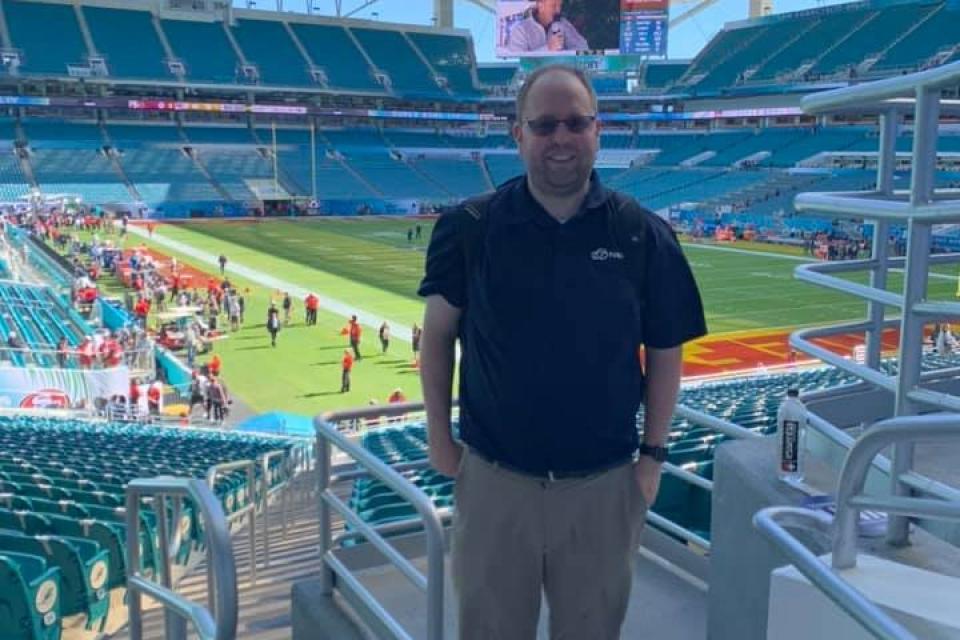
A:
[602,254]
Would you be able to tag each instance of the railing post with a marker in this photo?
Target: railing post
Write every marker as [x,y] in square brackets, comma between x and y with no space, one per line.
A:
[323,483]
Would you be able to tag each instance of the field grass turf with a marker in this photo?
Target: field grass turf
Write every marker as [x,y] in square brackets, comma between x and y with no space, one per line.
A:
[369,263]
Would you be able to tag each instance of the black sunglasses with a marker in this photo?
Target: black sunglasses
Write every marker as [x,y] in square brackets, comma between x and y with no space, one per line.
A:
[547,125]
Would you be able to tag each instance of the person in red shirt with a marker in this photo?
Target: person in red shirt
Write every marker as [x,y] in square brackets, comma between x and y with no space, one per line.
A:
[134,395]
[347,366]
[312,304]
[354,331]
[397,396]
[150,228]
[85,353]
[215,365]
[153,399]
[111,353]
[142,310]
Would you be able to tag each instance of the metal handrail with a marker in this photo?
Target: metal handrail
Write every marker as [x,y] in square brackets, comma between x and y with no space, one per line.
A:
[930,428]
[772,523]
[432,583]
[218,623]
[249,509]
[882,90]
[266,491]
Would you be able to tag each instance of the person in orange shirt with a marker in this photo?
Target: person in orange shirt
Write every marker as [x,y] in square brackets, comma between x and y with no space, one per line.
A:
[347,367]
[215,365]
[355,331]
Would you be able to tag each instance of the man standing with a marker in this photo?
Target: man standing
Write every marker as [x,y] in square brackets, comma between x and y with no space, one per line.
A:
[354,331]
[553,481]
[346,366]
[544,29]
[384,334]
[222,261]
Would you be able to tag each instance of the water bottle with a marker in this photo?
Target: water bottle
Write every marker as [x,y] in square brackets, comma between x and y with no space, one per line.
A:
[791,426]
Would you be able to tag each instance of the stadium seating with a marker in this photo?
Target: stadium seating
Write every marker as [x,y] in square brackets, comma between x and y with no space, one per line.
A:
[128,42]
[31,25]
[30,601]
[85,173]
[503,167]
[49,133]
[757,44]
[391,52]
[496,75]
[333,50]
[663,76]
[13,184]
[937,32]
[870,39]
[827,29]
[204,50]
[60,517]
[460,178]
[451,58]
[751,403]
[393,178]
[40,318]
[267,44]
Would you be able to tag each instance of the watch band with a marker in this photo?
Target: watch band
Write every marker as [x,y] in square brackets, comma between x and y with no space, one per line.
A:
[657,453]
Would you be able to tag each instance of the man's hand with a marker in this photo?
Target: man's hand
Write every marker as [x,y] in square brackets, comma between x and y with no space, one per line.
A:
[647,473]
[555,41]
[445,454]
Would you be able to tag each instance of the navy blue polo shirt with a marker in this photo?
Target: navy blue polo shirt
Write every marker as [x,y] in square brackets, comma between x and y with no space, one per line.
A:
[550,378]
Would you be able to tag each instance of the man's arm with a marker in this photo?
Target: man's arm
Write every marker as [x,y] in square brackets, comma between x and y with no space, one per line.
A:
[437,360]
[662,386]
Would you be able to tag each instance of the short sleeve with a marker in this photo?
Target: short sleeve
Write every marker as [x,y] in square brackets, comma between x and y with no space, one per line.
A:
[445,267]
[673,311]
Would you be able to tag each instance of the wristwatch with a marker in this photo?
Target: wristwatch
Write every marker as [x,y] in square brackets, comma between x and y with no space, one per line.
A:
[657,453]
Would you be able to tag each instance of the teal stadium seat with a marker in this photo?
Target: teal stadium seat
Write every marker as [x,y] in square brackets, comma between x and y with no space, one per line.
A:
[29,598]
[128,42]
[84,571]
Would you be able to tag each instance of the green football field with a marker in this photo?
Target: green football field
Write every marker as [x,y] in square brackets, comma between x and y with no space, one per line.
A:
[369,264]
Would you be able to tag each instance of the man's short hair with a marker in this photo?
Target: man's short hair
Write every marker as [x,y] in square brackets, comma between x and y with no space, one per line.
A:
[542,71]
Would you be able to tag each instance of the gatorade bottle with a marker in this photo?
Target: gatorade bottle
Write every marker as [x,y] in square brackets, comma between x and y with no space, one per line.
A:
[791,426]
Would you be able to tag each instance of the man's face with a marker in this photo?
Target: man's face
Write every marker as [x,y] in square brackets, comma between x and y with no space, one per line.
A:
[547,10]
[558,164]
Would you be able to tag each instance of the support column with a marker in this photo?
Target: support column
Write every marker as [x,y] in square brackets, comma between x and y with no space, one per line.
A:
[443,12]
[926,122]
[881,232]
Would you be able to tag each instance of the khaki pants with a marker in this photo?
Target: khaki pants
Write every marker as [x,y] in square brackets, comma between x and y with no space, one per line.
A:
[515,536]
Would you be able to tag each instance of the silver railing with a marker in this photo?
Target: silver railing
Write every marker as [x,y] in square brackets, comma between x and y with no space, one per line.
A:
[842,529]
[219,620]
[248,510]
[920,208]
[336,573]
[269,490]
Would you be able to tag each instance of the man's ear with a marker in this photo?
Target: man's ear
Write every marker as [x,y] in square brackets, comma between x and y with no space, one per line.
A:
[517,131]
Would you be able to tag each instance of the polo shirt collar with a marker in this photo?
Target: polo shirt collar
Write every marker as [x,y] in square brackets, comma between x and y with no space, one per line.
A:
[524,207]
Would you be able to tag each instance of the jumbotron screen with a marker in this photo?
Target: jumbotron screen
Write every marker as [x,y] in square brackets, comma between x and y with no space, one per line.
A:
[538,28]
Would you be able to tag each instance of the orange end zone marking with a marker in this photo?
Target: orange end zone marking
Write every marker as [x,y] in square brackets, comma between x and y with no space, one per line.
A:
[747,350]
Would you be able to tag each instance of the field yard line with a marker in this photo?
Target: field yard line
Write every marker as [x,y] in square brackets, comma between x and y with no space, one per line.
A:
[397,329]
[785,256]
[748,252]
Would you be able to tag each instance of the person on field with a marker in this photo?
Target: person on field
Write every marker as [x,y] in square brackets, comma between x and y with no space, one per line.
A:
[287,305]
[553,478]
[273,323]
[222,261]
[346,366]
[416,333]
[384,334]
[354,331]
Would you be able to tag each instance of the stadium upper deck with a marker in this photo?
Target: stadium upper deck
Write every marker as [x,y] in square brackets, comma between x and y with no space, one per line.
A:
[140,44]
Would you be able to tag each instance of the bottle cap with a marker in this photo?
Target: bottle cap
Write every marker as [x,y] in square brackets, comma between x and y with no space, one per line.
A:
[793,393]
